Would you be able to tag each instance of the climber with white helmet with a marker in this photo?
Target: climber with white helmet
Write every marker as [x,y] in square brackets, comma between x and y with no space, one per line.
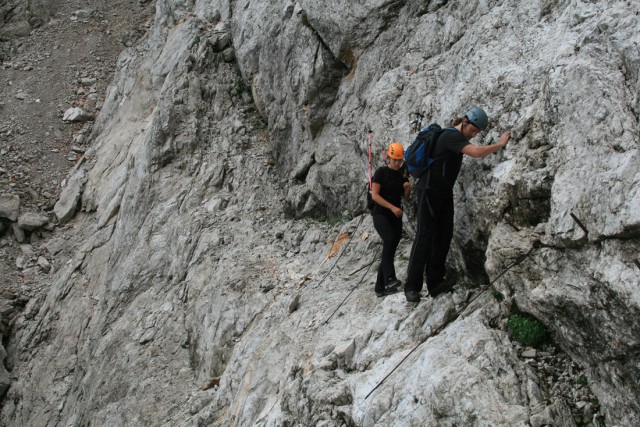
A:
[434,196]
[389,186]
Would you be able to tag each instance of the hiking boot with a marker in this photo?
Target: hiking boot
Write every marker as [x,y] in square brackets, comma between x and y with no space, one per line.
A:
[394,284]
[386,292]
[443,287]
[412,296]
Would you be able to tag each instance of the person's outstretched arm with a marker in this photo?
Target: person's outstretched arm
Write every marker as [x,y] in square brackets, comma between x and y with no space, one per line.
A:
[477,151]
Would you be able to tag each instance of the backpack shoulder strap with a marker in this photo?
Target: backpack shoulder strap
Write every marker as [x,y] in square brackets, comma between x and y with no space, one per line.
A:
[436,131]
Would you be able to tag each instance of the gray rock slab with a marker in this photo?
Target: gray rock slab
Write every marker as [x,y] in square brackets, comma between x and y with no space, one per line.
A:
[76,114]
[32,221]
[67,205]
[9,206]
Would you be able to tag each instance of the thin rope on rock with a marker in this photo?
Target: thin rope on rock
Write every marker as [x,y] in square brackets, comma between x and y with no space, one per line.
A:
[354,288]
[535,245]
[345,246]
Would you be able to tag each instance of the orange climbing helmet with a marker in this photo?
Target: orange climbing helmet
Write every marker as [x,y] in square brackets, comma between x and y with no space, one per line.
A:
[395,151]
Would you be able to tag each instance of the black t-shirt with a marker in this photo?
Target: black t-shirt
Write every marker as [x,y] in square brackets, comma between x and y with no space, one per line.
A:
[446,168]
[391,187]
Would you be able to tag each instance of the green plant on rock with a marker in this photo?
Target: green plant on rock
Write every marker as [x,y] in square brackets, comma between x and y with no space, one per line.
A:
[582,381]
[328,220]
[241,85]
[528,330]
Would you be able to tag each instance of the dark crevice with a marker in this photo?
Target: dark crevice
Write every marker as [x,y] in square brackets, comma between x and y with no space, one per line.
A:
[389,11]
[300,174]
[474,259]
[306,23]
[427,7]
[631,232]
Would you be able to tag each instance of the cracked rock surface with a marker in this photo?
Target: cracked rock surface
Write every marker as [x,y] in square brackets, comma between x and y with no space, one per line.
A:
[216,266]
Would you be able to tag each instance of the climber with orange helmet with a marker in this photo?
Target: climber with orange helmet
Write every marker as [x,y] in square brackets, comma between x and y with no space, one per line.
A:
[389,186]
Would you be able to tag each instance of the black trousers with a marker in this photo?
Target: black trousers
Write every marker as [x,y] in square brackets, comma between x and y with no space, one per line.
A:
[431,244]
[389,227]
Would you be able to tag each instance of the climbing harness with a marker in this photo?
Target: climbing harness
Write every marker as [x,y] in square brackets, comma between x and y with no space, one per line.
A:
[536,245]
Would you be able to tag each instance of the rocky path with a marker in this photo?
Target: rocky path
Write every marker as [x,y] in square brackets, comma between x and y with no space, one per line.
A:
[51,61]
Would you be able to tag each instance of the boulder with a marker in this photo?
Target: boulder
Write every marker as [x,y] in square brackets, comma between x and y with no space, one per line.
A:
[76,114]
[67,205]
[9,207]
[30,221]
[15,29]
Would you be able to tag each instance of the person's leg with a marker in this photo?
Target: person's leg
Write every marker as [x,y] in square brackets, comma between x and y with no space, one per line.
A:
[420,248]
[387,233]
[441,242]
[396,228]
[379,287]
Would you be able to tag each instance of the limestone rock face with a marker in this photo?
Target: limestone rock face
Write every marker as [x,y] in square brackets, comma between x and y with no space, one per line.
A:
[203,285]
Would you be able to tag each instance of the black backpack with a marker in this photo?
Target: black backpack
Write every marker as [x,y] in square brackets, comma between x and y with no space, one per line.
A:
[419,156]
